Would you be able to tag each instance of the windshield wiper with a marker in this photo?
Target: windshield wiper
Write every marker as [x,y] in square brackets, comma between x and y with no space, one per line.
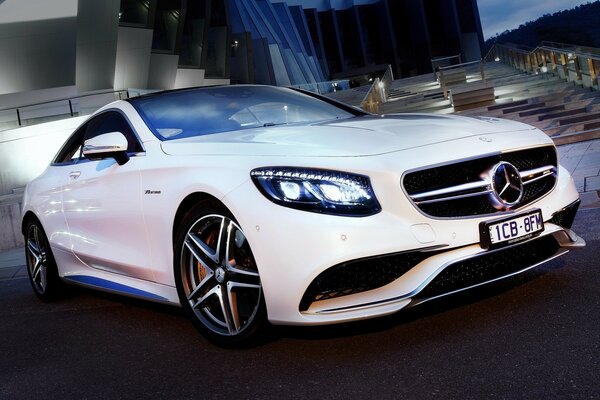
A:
[274,123]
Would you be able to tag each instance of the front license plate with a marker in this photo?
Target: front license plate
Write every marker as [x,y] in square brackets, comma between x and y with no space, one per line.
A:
[511,230]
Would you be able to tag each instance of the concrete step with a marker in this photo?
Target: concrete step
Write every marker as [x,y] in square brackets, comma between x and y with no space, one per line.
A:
[415,98]
[506,105]
[560,114]
[423,106]
[557,129]
[569,93]
[591,125]
[576,109]
[519,79]
[511,110]
[576,137]
[541,110]
[578,119]
[519,92]
[399,94]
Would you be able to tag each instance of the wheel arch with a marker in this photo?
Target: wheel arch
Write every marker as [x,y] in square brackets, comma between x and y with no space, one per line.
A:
[186,204]
[28,216]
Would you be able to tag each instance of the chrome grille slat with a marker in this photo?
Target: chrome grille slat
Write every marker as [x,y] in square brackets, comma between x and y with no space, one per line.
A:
[453,189]
[534,165]
[537,174]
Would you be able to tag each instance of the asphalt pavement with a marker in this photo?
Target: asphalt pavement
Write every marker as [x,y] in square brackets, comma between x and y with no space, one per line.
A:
[533,336]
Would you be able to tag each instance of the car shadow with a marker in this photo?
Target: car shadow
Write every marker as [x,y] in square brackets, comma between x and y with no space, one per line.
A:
[402,318]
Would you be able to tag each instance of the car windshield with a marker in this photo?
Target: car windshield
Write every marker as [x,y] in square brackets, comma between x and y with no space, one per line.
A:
[204,111]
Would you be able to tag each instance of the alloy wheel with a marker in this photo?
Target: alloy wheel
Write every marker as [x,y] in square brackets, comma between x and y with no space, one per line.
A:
[219,275]
[37,258]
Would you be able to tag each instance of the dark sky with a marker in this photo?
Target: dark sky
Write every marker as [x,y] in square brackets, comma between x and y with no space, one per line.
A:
[500,15]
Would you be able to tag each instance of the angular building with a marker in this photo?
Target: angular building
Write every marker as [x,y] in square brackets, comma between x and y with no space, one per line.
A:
[348,37]
[90,45]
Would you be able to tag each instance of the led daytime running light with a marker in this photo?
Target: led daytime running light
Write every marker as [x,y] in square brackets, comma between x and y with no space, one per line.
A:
[324,191]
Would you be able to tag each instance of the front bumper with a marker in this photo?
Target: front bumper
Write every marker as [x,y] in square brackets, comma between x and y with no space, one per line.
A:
[293,248]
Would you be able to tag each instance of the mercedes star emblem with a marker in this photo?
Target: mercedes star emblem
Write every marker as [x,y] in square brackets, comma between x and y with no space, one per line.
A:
[507,187]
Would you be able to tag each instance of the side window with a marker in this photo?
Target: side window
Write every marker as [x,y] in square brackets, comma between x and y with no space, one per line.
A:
[113,121]
[71,150]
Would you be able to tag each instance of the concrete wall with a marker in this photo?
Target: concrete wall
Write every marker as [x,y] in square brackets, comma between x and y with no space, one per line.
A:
[37,54]
[97,32]
[134,46]
[470,47]
[162,71]
[10,230]
[188,77]
[26,152]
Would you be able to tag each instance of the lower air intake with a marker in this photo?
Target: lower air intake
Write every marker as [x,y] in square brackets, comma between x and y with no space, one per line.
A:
[490,266]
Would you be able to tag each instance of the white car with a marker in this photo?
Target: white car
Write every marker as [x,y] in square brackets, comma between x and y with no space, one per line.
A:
[248,204]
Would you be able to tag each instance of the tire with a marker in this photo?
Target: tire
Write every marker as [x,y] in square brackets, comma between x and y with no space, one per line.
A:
[41,265]
[217,277]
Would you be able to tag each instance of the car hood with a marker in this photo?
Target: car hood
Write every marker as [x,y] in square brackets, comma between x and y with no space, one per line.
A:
[360,136]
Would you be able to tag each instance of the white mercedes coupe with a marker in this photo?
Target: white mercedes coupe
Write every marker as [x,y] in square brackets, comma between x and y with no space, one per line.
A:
[255,204]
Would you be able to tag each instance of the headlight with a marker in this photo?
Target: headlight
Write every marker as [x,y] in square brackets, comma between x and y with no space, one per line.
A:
[315,190]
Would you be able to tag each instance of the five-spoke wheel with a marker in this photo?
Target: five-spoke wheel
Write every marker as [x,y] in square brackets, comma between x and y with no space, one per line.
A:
[217,276]
[43,273]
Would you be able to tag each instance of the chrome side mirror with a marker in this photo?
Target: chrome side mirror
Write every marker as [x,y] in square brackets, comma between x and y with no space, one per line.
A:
[108,145]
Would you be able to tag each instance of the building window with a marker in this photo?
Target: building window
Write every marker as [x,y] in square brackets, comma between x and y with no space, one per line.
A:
[194,34]
[166,26]
[134,13]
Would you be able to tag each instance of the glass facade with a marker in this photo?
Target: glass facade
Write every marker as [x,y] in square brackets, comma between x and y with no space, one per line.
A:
[297,42]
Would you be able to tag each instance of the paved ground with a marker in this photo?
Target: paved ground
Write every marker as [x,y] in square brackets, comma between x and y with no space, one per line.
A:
[534,336]
[583,162]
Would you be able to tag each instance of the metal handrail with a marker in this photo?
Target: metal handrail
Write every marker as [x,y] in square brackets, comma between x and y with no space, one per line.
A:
[580,64]
[442,81]
[575,47]
[331,86]
[69,100]
[434,62]
[460,65]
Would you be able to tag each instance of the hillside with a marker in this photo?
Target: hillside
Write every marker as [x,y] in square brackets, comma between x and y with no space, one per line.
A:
[579,26]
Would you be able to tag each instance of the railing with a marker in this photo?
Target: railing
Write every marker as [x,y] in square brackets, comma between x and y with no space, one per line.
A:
[325,87]
[447,72]
[579,64]
[440,62]
[378,92]
[32,114]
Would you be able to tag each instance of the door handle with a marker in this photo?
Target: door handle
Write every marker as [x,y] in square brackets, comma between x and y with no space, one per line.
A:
[74,174]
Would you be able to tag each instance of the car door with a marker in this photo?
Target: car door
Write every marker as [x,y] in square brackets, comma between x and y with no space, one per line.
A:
[102,205]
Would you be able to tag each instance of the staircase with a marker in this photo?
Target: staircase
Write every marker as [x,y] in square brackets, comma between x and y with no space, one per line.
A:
[565,111]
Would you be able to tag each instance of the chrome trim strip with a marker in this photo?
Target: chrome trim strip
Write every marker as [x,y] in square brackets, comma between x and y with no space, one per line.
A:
[530,176]
[453,189]
[484,186]
[457,161]
[460,196]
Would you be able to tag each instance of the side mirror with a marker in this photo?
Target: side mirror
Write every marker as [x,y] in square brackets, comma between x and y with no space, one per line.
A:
[107,145]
